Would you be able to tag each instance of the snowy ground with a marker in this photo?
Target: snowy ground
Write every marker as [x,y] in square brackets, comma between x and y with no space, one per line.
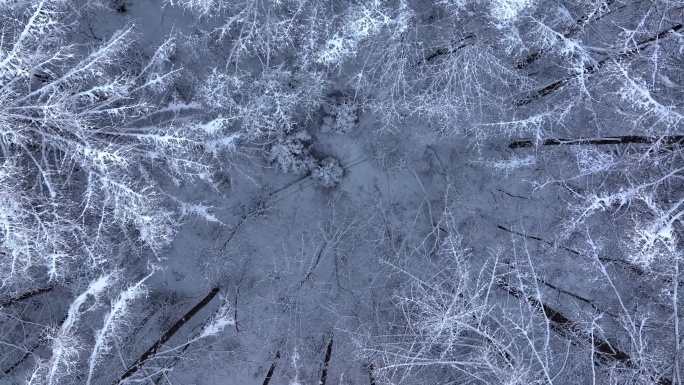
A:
[302,264]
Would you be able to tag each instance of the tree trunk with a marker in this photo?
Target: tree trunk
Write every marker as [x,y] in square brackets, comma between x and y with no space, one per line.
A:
[25,296]
[572,31]
[546,90]
[370,374]
[629,139]
[568,329]
[167,336]
[326,361]
[269,375]
[633,268]
[446,51]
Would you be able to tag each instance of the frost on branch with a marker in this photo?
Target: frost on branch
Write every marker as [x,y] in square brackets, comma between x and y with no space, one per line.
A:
[113,320]
[509,10]
[66,345]
[565,46]
[341,116]
[271,102]
[328,172]
[511,164]
[222,318]
[503,11]
[447,307]
[655,239]
[80,132]
[290,153]
[590,160]
[640,95]
[361,22]
[201,7]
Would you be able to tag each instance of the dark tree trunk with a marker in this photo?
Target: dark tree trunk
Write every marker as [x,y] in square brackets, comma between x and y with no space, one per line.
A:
[446,51]
[25,296]
[633,139]
[28,353]
[370,374]
[169,333]
[326,361]
[568,329]
[269,375]
[572,31]
[634,269]
[588,70]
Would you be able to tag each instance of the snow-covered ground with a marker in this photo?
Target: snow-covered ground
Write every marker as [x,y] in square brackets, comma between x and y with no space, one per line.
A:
[370,236]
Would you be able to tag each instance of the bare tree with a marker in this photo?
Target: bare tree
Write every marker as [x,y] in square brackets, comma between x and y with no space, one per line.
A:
[88,134]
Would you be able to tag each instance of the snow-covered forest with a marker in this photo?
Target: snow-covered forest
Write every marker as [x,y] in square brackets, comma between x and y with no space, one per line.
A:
[352,192]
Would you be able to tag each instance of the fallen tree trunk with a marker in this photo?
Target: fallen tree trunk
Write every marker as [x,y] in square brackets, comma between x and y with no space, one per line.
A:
[167,336]
[25,296]
[326,361]
[269,375]
[570,32]
[628,139]
[31,351]
[633,268]
[370,374]
[588,70]
[568,329]
[446,51]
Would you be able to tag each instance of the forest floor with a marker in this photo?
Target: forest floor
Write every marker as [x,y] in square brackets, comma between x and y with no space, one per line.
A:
[290,254]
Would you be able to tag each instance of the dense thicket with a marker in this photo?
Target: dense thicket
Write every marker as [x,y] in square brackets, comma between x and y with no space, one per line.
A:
[121,120]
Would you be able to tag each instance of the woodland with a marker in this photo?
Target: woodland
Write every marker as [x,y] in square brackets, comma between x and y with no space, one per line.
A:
[341,192]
